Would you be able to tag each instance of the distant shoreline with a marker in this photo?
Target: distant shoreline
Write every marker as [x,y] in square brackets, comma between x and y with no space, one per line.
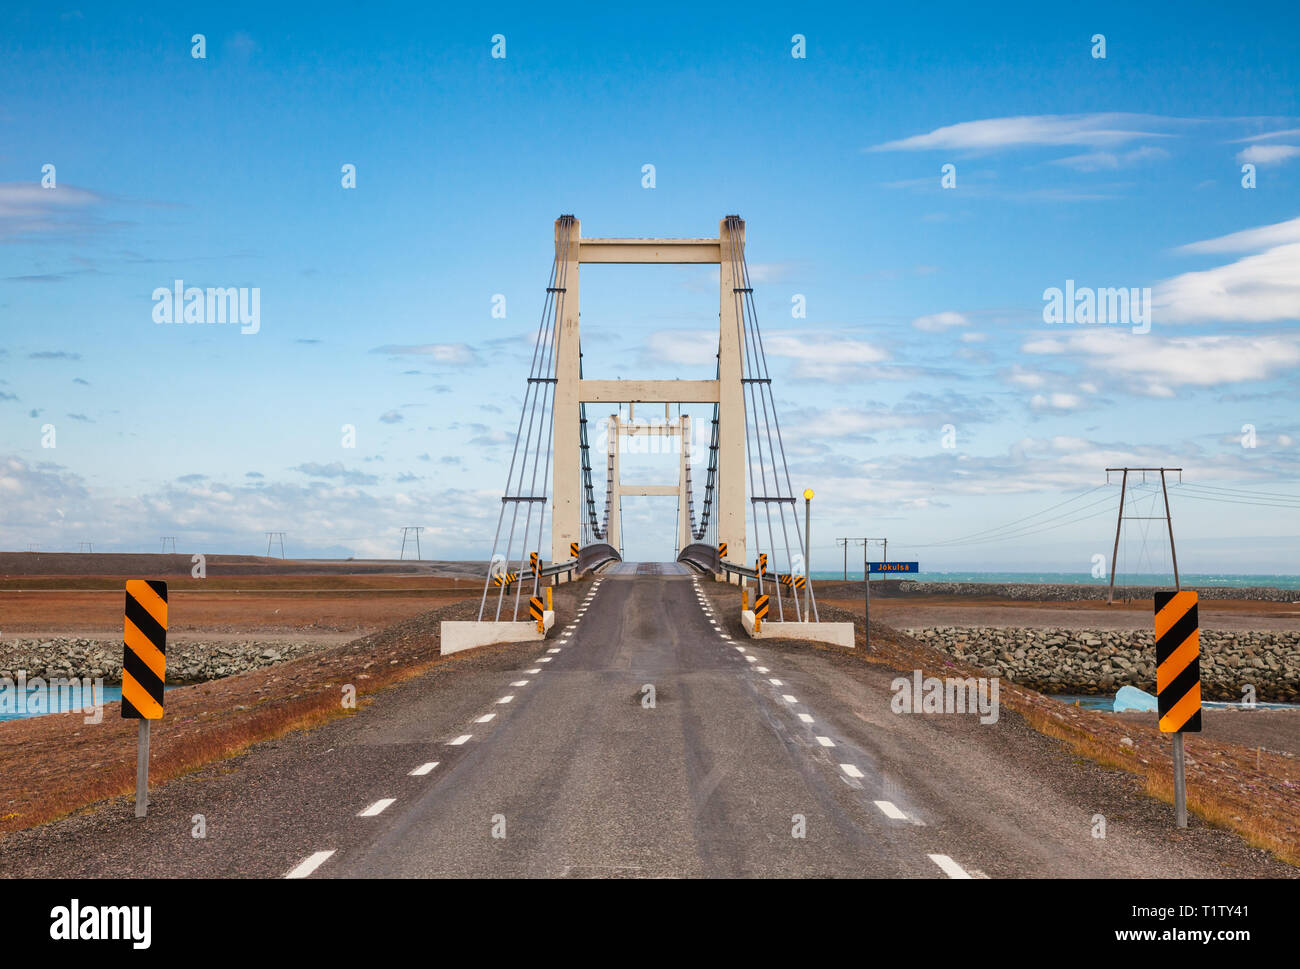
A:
[1059,592]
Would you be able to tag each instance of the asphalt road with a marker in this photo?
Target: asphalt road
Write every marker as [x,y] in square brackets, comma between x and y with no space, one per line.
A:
[550,760]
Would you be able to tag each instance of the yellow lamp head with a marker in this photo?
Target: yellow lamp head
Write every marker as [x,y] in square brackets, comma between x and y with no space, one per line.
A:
[808,494]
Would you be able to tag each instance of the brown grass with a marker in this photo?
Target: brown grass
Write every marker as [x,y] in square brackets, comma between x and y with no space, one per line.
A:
[53,765]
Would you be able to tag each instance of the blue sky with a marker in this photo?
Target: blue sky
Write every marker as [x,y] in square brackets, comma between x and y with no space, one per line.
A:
[924,303]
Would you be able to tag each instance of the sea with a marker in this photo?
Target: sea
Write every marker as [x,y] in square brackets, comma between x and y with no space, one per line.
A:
[56,698]
[1202,580]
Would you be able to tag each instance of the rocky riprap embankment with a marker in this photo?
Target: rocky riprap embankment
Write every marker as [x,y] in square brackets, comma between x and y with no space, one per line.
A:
[1043,592]
[187,662]
[1101,661]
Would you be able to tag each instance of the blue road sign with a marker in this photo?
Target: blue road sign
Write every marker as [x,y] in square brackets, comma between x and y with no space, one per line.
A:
[893,567]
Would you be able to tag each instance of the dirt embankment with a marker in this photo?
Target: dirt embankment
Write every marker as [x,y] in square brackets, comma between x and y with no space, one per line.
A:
[81,763]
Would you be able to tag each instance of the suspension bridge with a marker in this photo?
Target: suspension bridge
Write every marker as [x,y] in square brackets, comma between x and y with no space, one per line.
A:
[747,526]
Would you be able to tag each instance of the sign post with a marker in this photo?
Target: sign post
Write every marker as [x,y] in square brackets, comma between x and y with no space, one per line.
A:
[882,567]
[1178,680]
[144,667]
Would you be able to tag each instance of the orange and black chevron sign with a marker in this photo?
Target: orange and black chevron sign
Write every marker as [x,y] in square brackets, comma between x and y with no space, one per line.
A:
[505,578]
[532,561]
[722,550]
[573,549]
[1178,662]
[761,569]
[760,607]
[535,608]
[144,659]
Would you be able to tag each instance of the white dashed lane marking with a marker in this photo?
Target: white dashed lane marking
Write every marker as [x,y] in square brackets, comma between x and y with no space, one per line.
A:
[376,808]
[788,698]
[950,867]
[888,809]
[506,699]
[310,864]
[775,682]
[851,770]
[805,718]
[424,769]
[826,741]
[485,718]
[519,683]
[459,740]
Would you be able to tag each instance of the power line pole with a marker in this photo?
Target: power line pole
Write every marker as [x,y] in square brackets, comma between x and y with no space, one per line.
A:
[411,528]
[85,547]
[1119,521]
[165,540]
[274,537]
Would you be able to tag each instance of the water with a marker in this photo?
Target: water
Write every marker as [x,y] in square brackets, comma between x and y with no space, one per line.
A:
[1106,702]
[1222,580]
[56,699]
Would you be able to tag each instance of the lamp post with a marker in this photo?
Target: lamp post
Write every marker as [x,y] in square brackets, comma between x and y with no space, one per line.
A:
[807,551]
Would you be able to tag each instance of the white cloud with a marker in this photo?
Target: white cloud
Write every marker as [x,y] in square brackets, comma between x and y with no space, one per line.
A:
[449,353]
[1096,161]
[1044,345]
[685,347]
[1262,288]
[1267,154]
[1270,134]
[1056,401]
[1025,378]
[1249,240]
[1089,130]
[1158,365]
[821,357]
[26,207]
[938,322]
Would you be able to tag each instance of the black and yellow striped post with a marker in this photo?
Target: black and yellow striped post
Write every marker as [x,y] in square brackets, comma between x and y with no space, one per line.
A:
[573,549]
[536,611]
[144,670]
[505,578]
[762,563]
[722,550]
[533,563]
[1178,680]
[799,581]
[760,612]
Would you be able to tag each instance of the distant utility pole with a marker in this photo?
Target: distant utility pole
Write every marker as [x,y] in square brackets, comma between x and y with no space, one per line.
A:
[411,528]
[165,540]
[1119,521]
[884,553]
[85,547]
[32,547]
[275,537]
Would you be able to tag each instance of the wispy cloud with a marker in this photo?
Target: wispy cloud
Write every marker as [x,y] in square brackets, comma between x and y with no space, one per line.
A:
[989,134]
[1159,365]
[1267,154]
[336,470]
[938,322]
[1259,288]
[28,209]
[455,354]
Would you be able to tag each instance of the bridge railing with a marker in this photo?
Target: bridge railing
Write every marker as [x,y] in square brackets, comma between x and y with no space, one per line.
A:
[592,557]
[701,556]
